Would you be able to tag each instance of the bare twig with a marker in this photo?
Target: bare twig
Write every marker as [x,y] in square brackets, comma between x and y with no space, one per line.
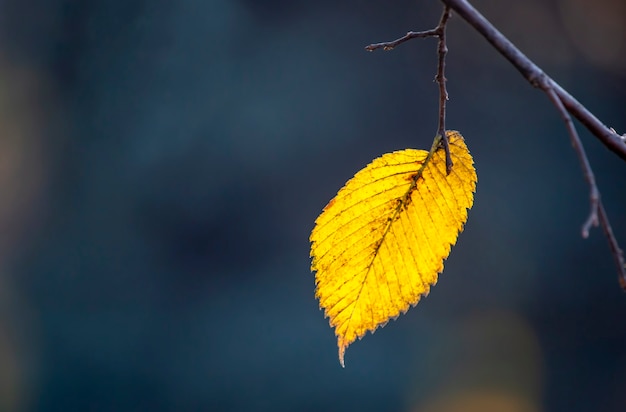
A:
[390,45]
[597,213]
[440,78]
[594,193]
[532,73]
[618,255]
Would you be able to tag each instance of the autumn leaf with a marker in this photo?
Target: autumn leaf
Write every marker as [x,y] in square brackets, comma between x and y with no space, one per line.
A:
[380,244]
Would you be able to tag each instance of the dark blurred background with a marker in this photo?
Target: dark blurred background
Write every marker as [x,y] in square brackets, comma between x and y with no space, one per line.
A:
[162,164]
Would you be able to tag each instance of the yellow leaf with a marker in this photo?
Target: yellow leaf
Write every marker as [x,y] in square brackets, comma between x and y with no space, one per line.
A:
[379,245]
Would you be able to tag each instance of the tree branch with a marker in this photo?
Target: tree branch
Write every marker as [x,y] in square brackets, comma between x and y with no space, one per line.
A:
[533,74]
[566,104]
[562,100]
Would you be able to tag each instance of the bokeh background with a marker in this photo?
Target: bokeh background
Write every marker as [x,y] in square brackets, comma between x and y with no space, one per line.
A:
[162,164]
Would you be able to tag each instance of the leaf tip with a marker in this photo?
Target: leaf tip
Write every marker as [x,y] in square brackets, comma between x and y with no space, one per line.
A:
[342,352]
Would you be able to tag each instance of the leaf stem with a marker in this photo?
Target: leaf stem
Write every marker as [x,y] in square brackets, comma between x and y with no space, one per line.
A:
[442,50]
[440,78]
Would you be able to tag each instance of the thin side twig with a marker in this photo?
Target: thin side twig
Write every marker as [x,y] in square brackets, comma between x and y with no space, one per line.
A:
[390,45]
[594,193]
[618,255]
[440,78]
[597,213]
